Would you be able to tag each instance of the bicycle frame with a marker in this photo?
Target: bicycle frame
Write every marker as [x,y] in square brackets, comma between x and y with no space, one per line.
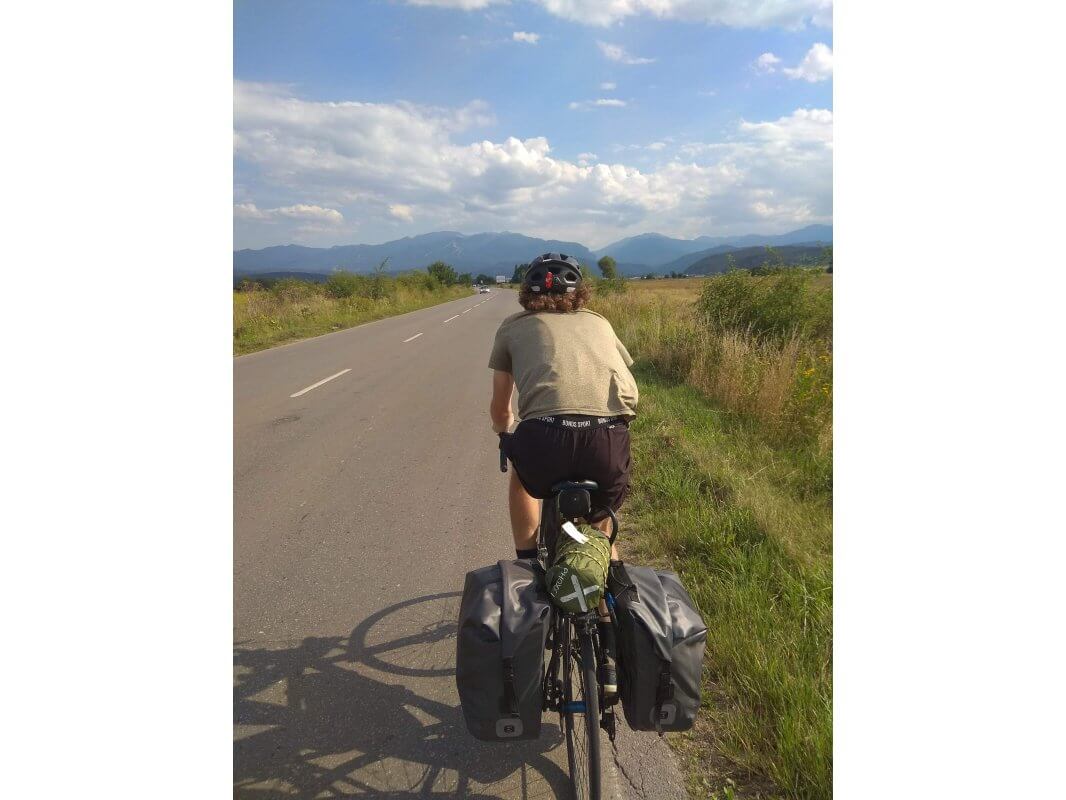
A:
[568,630]
[557,691]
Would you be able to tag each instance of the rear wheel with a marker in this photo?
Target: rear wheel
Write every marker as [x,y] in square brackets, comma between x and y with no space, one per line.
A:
[581,718]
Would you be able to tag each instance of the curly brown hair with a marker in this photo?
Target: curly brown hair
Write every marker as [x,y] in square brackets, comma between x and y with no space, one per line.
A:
[537,301]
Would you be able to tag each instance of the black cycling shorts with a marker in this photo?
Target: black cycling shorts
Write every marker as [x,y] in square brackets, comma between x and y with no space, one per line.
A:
[543,454]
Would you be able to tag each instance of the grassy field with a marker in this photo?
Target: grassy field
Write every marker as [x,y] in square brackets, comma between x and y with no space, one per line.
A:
[264,316]
[733,488]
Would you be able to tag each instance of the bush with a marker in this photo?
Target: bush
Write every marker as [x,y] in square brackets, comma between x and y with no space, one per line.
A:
[293,290]
[611,286]
[418,281]
[777,306]
[444,273]
[345,284]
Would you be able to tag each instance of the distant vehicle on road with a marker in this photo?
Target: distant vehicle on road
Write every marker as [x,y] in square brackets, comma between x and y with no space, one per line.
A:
[484,290]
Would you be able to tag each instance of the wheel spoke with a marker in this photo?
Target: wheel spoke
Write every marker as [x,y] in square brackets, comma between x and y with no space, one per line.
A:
[580,715]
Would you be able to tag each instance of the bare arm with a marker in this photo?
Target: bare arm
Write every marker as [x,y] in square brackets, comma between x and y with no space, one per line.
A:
[500,407]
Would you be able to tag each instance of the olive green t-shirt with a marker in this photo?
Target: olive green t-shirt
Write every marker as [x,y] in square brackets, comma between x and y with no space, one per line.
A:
[565,363]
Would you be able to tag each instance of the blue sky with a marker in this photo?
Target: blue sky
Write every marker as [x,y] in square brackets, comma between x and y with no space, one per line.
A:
[368,121]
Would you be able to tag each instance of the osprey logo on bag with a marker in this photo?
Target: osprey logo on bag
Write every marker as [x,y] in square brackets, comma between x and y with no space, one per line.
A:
[576,578]
[559,581]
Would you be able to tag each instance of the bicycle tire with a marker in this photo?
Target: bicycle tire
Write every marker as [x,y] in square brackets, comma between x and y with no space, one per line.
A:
[583,729]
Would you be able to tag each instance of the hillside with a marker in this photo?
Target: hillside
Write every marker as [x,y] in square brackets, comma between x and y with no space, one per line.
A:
[637,254]
[649,249]
[496,253]
[481,252]
[750,257]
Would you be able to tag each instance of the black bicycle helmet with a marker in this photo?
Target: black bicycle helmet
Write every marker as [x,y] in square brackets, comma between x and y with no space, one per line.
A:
[557,273]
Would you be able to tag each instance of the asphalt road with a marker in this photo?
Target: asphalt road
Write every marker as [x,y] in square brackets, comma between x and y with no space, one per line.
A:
[359,506]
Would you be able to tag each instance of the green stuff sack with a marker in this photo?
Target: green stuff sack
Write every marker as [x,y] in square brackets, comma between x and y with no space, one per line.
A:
[577,576]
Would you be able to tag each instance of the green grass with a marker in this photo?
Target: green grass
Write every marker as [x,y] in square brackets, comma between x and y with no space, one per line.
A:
[736,495]
[289,310]
[733,516]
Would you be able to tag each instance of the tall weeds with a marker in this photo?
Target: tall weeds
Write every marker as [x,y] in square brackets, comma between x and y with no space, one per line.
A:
[264,316]
[733,488]
[757,346]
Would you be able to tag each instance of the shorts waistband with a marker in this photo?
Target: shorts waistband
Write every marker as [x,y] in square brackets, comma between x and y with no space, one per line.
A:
[579,421]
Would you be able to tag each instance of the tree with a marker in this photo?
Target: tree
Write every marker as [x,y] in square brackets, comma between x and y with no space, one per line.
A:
[483,278]
[609,267]
[465,278]
[827,258]
[519,273]
[442,272]
[772,265]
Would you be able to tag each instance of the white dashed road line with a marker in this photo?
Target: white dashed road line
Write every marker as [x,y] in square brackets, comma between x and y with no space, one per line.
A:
[405,341]
[316,385]
[450,319]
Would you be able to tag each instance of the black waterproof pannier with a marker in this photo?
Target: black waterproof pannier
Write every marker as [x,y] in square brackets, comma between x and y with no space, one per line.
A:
[661,639]
[504,619]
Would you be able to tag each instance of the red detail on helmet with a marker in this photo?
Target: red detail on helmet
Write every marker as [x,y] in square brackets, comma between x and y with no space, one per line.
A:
[548,280]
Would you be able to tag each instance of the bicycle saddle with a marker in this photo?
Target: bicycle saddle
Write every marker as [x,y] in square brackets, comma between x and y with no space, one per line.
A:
[563,486]
[575,498]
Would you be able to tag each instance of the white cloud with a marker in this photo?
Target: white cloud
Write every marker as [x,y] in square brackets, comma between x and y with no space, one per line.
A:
[249,211]
[803,125]
[401,211]
[601,102]
[617,53]
[465,5]
[767,62]
[657,146]
[382,164]
[707,92]
[312,213]
[607,86]
[523,36]
[816,66]
[301,211]
[732,13]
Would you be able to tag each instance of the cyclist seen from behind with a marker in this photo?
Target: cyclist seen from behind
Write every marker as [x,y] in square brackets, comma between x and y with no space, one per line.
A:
[576,398]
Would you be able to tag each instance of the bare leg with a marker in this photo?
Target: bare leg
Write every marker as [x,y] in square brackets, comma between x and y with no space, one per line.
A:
[605,526]
[525,515]
[608,676]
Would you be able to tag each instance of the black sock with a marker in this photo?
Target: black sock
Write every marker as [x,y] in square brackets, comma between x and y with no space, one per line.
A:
[616,562]
[526,553]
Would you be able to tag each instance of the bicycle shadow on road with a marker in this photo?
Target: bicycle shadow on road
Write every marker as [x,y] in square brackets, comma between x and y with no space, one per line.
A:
[374,714]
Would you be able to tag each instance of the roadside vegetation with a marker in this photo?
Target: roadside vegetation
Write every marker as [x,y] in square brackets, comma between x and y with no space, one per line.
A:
[267,313]
[733,488]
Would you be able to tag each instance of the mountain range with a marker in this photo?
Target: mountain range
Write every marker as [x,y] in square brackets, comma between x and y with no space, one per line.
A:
[497,253]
